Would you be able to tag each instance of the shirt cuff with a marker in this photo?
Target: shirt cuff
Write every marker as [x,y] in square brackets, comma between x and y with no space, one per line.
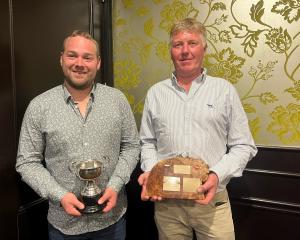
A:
[116,184]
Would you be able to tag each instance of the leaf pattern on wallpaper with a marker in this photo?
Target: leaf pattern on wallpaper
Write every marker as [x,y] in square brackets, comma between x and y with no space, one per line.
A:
[262,72]
[225,64]
[289,9]
[285,123]
[255,126]
[249,108]
[267,97]
[141,47]
[250,42]
[175,11]
[148,27]
[239,31]
[162,51]
[255,46]
[218,6]
[126,74]
[142,11]
[257,11]
[278,40]
[128,3]
[224,36]
[295,91]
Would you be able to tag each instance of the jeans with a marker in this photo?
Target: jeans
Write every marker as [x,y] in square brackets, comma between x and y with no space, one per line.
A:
[117,231]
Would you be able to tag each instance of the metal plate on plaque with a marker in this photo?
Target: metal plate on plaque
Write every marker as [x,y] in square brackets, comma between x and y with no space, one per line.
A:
[177,177]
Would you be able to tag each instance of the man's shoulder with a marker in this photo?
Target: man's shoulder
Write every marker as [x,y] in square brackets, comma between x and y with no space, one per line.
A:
[49,95]
[218,82]
[104,91]
[160,85]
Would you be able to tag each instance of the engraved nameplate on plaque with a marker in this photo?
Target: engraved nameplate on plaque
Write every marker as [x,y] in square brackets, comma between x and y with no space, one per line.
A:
[177,177]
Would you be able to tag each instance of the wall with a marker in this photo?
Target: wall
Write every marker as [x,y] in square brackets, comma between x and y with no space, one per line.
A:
[253,44]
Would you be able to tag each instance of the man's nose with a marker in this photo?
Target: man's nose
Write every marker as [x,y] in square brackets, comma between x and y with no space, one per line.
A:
[185,48]
[79,61]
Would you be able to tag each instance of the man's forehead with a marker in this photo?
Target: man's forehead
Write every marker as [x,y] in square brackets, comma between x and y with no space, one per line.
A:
[186,34]
[74,44]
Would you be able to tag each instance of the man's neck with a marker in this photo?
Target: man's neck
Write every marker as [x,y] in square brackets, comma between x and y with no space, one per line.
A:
[81,97]
[78,95]
[186,81]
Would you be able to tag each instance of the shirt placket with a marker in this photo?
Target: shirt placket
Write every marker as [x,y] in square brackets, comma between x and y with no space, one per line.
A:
[187,127]
[85,133]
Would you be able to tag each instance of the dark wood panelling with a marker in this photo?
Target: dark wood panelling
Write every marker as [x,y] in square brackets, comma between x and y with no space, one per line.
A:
[8,193]
[32,220]
[254,222]
[276,159]
[39,30]
[266,200]
[140,214]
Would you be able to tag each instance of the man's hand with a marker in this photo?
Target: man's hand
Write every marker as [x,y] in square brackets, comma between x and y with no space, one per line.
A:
[109,198]
[209,188]
[71,204]
[143,178]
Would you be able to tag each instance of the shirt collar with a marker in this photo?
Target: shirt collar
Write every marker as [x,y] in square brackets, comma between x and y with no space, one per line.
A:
[201,78]
[68,96]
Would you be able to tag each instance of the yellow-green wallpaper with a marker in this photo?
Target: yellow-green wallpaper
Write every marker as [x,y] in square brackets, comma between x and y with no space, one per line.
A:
[254,44]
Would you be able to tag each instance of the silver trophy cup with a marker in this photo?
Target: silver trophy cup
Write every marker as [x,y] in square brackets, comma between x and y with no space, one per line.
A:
[88,171]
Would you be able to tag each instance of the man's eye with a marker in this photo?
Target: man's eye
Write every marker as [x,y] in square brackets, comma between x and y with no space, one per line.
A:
[71,56]
[177,45]
[193,43]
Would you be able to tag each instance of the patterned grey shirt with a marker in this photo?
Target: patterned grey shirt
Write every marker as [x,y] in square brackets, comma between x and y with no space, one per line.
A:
[202,123]
[54,132]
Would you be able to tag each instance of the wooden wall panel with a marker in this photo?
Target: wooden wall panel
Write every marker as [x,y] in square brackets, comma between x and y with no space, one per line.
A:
[8,193]
[266,200]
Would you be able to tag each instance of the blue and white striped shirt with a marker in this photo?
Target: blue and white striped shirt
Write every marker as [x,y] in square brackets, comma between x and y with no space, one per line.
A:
[202,123]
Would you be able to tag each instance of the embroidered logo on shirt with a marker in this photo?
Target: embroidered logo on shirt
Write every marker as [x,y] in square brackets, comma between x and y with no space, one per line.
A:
[210,105]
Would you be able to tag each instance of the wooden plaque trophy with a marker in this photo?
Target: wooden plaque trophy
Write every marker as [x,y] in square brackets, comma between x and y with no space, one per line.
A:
[177,177]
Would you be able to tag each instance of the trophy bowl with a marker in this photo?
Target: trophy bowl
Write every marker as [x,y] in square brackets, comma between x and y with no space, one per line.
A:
[88,171]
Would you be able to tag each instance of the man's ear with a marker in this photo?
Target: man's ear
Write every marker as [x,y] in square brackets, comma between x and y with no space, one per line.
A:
[99,63]
[60,59]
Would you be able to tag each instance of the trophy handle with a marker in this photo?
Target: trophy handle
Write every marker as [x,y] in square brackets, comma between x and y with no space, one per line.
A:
[72,168]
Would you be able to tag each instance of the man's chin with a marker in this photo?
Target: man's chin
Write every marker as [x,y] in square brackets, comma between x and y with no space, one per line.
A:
[79,86]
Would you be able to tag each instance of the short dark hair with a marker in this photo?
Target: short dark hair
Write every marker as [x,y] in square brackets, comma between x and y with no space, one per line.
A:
[83,34]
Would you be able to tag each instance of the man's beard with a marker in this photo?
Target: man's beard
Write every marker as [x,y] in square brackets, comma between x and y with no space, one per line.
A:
[83,86]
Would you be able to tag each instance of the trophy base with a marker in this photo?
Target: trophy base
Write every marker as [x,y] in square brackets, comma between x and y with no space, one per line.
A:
[91,204]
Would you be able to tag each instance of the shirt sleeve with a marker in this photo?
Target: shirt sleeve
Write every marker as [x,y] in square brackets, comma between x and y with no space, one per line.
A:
[241,146]
[129,148]
[148,139]
[30,157]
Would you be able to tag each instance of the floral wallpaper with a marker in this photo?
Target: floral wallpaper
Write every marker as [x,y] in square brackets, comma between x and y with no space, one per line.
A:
[253,44]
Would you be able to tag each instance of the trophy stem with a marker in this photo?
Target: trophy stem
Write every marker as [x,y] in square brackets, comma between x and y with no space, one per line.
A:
[91,188]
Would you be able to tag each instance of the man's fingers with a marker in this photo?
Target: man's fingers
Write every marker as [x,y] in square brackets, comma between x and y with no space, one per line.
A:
[144,194]
[78,204]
